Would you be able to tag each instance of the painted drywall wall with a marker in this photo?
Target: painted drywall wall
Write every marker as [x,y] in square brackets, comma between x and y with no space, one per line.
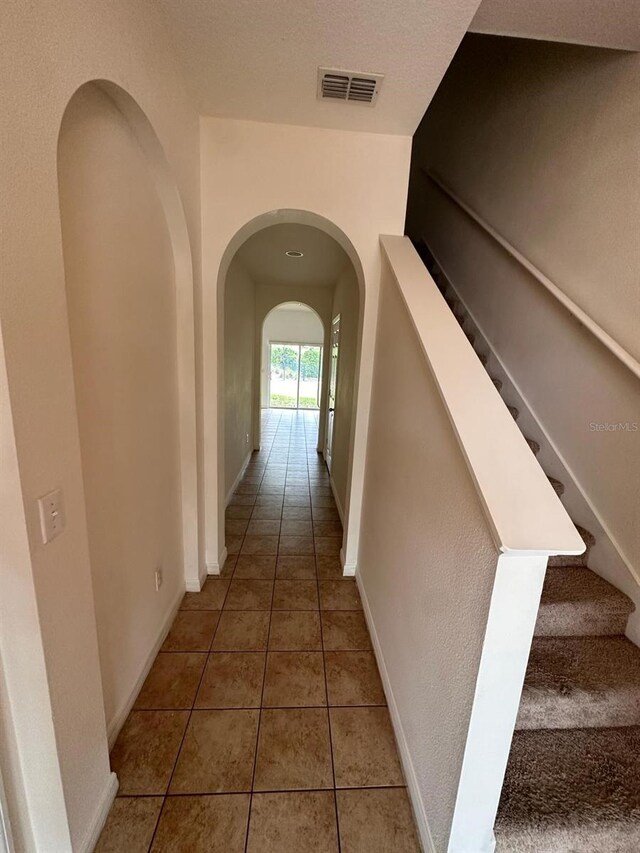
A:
[426,565]
[345,303]
[239,343]
[122,324]
[354,184]
[542,141]
[285,325]
[592,22]
[82,41]
[31,775]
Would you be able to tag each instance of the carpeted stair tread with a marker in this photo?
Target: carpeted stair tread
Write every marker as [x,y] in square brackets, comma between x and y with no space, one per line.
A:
[515,414]
[577,602]
[533,446]
[497,383]
[580,682]
[484,358]
[558,487]
[575,559]
[571,791]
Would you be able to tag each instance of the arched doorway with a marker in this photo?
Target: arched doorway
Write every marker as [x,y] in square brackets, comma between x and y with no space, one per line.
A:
[283,256]
[128,278]
[291,358]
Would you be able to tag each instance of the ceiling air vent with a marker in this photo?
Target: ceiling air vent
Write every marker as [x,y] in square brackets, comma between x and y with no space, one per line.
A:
[349,86]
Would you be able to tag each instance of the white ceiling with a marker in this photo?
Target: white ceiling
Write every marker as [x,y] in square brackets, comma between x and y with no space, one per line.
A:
[263,256]
[258,59]
[602,23]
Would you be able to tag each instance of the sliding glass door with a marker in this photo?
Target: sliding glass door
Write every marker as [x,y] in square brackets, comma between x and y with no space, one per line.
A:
[294,376]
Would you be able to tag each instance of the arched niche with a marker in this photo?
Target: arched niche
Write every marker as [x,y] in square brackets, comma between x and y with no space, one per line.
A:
[106,185]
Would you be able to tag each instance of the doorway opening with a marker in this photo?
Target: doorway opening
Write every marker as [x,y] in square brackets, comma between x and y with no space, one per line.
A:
[276,312]
[294,376]
[293,338]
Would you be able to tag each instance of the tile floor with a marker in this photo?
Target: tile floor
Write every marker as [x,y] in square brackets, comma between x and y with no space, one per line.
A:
[262,726]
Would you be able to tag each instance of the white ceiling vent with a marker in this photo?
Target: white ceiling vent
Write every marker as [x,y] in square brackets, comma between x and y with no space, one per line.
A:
[350,86]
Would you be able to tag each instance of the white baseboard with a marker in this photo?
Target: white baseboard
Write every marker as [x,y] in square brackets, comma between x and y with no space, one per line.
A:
[336,498]
[348,569]
[102,812]
[405,757]
[196,585]
[236,482]
[216,568]
[116,723]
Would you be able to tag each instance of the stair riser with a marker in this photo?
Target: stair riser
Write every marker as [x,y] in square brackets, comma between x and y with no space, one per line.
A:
[571,792]
[568,560]
[579,710]
[576,621]
[601,839]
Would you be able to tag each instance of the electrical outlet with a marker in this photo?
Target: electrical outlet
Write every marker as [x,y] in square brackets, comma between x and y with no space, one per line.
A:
[158,579]
[52,519]
[247,439]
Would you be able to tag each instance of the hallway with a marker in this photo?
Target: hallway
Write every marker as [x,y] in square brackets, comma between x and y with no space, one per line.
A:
[262,726]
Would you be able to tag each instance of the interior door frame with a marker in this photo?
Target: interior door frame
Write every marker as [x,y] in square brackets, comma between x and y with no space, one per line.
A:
[330,421]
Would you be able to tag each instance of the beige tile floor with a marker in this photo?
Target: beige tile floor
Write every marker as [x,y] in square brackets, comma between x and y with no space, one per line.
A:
[262,726]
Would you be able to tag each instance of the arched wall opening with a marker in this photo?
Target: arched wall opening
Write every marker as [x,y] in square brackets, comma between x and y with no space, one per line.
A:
[234,284]
[292,363]
[129,290]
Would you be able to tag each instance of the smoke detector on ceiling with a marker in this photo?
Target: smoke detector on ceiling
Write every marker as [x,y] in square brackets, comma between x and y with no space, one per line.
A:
[355,87]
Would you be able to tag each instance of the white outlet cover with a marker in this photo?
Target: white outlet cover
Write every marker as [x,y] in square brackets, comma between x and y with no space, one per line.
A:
[52,517]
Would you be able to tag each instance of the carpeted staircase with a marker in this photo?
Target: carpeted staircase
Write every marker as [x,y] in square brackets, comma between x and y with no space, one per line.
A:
[573,778]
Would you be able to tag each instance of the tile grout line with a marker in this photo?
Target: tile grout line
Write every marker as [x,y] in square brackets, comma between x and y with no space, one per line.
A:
[195,696]
[324,671]
[264,671]
[186,728]
[270,791]
[298,436]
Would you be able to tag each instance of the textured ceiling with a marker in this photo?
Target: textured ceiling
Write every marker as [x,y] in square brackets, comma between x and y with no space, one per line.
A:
[602,23]
[263,256]
[255,59]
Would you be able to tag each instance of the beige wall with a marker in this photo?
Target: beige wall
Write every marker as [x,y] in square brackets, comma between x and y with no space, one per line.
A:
[239,343]
[426,567]
[122,323]
[48,52]
[345,303]
[353,184]
[542,141]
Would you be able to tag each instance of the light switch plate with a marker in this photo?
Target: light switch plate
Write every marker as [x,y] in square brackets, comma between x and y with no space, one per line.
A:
[52,520]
